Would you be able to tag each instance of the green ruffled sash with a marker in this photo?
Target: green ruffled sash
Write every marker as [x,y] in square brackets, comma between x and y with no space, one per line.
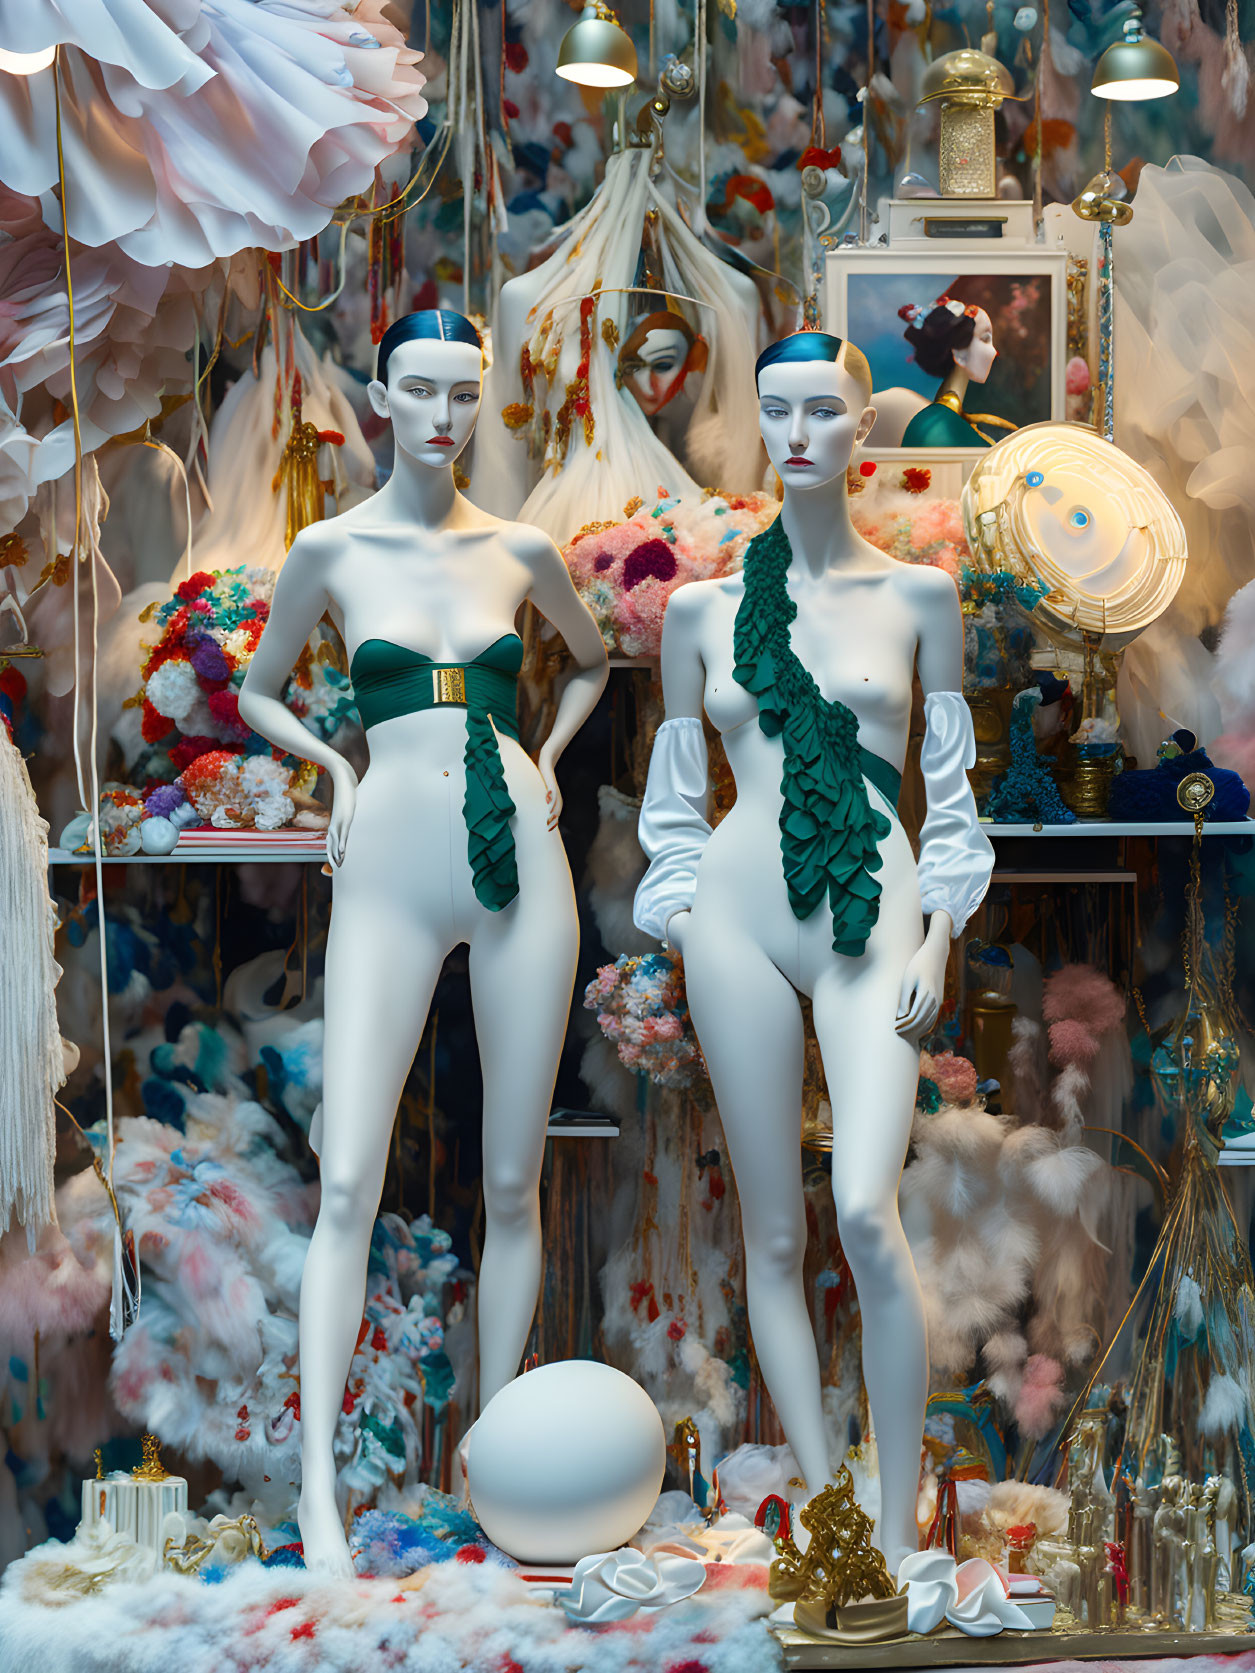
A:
[829,831]
[488,810]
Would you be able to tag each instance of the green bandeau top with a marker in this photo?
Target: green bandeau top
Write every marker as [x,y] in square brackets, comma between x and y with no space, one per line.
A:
[391,680]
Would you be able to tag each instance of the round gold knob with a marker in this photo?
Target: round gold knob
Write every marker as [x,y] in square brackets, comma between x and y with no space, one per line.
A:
[1195,791]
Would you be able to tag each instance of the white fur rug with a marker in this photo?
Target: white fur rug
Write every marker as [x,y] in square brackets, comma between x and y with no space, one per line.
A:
[286,1621]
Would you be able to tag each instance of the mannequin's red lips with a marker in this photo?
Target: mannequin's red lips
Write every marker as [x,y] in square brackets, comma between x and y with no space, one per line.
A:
[440,441]
[797,460]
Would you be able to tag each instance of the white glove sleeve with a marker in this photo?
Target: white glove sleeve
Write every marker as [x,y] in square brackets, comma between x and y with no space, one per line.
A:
[956,858]
[673,830]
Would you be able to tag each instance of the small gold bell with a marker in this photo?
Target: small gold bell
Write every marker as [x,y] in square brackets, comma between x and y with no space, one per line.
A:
[1102,200]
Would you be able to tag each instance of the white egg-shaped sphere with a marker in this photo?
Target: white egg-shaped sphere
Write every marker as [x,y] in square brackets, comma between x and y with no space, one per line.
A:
[564,1461]
[158,836]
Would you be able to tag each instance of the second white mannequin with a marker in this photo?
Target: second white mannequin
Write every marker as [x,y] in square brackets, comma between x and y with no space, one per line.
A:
[815,645]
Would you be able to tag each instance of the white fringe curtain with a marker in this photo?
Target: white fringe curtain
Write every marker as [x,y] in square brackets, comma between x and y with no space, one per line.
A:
[32,1062]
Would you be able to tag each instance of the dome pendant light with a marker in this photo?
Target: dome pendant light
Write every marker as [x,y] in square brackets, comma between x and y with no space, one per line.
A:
[1136,67]
[596,52]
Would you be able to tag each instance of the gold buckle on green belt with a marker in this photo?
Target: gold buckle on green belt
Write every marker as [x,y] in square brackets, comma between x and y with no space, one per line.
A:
[448,685]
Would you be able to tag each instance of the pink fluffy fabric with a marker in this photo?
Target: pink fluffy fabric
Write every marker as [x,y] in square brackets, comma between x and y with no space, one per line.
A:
[51,1291]
[1235,750]
[1078,992]
[955,1077]
[1072,1042]
[1040,1397]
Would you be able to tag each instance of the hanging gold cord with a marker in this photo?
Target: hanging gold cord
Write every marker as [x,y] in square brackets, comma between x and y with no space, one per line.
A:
[326,302]
[119,1308]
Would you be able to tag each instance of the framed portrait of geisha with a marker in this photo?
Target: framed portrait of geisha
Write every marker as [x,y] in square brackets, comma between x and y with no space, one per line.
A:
[964,349]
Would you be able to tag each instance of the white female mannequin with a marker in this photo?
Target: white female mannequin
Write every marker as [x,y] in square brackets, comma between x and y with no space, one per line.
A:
[420,571]
[863,623]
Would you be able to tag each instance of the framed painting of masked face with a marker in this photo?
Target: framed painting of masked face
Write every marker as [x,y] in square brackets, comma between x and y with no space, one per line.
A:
[964,350]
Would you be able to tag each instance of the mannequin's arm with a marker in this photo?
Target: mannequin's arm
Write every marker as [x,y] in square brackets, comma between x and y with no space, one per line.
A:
[673,827]
[300,598]
[956,857]
[554,595]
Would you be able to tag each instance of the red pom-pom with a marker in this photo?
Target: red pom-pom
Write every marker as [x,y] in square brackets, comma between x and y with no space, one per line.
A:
[676,1330]
[867,468]
[194,585]
[155,724]
[190,749]
[224,706]
[198,774]
[12,683]
[472,1554]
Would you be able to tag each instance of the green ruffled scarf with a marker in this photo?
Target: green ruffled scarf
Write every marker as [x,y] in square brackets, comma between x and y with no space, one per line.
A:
[829,831]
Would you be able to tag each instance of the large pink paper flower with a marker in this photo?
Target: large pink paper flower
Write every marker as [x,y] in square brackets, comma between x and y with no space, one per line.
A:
[132,324]
[194,129]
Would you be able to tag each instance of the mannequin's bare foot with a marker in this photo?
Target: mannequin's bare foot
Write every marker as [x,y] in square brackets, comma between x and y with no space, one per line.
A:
[322,1532]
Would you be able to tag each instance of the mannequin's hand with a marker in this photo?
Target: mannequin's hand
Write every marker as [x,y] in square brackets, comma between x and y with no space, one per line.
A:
[343,802]
[923,987]
[546,764]
[677,927]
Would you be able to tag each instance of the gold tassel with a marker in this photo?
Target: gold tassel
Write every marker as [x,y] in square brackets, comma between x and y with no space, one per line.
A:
[298,469]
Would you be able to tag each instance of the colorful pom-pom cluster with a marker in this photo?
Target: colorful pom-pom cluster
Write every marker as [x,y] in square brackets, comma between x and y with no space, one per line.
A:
[626,573]
[641,1006]
[203,762]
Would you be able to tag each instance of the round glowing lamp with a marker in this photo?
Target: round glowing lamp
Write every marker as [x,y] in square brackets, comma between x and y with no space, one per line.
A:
[596,52]
[1136,67]
[26,63]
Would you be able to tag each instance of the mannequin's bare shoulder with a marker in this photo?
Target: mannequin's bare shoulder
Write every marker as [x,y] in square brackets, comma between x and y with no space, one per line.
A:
[926,587]
[692,605]
[527,543]
[312,552]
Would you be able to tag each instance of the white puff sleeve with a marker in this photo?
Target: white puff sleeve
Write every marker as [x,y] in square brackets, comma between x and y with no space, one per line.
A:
[673,830]
[956,857]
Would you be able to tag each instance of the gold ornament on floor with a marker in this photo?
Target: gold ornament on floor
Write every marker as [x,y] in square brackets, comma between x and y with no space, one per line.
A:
[839,1586]
[150,1468]
[228,1539]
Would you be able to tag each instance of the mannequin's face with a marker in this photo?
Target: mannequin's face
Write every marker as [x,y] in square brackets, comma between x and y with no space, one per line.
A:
[812,414]
[977,359]
[657,369]
[432,398]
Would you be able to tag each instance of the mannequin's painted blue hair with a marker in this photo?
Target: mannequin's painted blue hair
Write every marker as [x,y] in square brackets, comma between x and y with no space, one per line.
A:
[437,324]
[800,345]
[818,345]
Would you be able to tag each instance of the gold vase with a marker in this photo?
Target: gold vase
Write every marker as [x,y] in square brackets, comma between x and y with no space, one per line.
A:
[1085,780]
[991,723]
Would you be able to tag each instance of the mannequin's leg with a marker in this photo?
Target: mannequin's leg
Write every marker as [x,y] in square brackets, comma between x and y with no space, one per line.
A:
[382,966]
[749,1022]
[872,1074]
[522,969]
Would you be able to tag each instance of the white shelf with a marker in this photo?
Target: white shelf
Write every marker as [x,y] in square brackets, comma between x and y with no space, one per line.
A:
[201,854]
[1120,828]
